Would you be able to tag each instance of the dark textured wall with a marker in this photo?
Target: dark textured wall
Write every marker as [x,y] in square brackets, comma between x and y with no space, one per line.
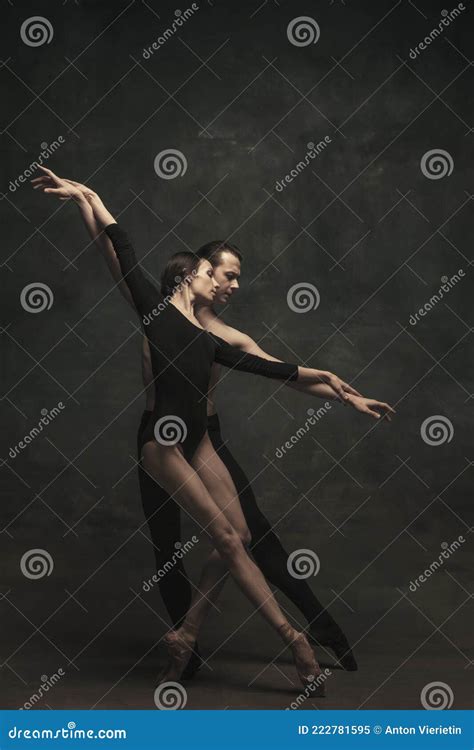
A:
[370,223]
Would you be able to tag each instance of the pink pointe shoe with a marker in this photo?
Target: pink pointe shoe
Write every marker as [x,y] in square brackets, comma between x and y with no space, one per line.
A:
[179,650]
[308,669]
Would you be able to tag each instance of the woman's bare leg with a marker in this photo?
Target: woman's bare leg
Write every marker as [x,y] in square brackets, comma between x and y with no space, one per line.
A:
[179,479]
[218,482]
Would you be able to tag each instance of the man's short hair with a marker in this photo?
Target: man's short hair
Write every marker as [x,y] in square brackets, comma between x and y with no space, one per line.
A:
[212,251]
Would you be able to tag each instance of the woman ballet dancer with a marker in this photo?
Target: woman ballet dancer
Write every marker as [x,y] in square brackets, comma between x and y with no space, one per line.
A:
[269,358]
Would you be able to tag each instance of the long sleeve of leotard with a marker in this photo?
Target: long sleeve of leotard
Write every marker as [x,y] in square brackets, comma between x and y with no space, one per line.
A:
[234,358]
[145,294]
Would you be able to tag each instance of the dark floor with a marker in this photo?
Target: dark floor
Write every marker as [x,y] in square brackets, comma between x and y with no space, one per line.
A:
[398,655]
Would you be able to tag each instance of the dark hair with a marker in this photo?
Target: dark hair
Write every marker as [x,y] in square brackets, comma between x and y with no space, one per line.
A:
[212,251]
[179,267]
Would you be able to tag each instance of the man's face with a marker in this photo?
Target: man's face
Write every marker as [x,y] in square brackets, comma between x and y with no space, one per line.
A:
[227,275]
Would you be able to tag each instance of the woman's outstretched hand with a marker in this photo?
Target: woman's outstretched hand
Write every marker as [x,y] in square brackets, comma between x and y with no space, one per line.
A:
[87,192]
[51,183]
[340,387]
[371,406]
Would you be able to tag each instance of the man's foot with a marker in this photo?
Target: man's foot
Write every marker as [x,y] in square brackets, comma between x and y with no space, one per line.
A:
[180,648]
[339,644]
[194,665]
[306,665]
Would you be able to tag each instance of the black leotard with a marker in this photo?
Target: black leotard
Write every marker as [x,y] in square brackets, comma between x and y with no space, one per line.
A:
[182,355]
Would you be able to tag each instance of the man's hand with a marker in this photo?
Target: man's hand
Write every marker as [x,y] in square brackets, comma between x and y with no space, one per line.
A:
[370,405]
[340,387]
[87,192]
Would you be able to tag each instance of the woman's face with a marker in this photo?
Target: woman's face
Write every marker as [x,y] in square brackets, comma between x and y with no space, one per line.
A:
[204,286]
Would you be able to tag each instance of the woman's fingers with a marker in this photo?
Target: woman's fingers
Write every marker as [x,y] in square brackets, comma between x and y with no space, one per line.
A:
[48,171]
[373,413]
[40,181]
[50,174]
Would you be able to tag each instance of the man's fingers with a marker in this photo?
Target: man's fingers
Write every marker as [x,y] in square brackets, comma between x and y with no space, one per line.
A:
[349,389]
[339,390]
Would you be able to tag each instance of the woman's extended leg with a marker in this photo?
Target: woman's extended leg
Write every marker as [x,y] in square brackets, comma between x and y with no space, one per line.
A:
[188,489]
